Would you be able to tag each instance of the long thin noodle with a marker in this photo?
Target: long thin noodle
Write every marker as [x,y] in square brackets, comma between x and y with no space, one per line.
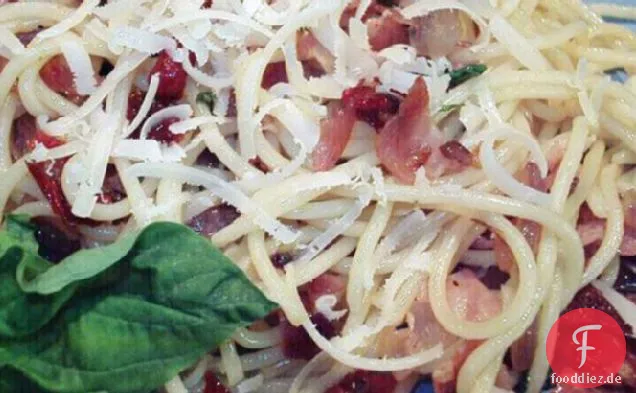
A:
[268,88]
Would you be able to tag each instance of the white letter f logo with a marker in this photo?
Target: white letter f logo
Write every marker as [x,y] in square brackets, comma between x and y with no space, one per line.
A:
[584,347]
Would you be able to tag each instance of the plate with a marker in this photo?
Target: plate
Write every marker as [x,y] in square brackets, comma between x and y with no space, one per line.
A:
[629,23]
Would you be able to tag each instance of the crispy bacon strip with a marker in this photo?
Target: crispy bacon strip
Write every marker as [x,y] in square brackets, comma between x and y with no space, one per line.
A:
[335,132]
[407,140]
[387,30]
[441,32]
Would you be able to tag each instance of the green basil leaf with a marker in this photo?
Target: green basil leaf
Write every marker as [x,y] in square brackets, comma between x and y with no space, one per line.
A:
[80,266]
[172,298]
[463,74]
[449,108]
[207,98]
[14,382]
[23,314]
[19,231]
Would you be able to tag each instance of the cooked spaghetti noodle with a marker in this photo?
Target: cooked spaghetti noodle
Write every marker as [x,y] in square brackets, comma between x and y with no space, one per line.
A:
[352,157]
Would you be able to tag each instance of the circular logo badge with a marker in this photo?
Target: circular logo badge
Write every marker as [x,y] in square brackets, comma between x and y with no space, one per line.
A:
[586,348]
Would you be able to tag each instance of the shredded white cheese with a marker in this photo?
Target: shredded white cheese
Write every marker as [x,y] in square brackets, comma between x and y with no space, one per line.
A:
[138,150]
[140,40]
[95,161]
[144,109]
[80,65]
[325,304]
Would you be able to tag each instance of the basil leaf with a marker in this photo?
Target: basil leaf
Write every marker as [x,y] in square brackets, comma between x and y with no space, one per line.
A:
[19,231]
[172,298]
[82,265]
[23,314]
[463,74]
[207,99]
[449,108]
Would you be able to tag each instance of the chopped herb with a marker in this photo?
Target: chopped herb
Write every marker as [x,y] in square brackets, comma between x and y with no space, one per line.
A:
[449,108]
[207,98]
[463,74]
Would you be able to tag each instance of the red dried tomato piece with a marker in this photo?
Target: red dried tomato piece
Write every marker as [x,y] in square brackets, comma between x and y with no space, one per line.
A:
[213,385]
[57,75]
[361,381]
[259,164]
[371,107]
[296,341]
[136,99]
[172,77]
[274,73]
[48,175]
[161,132]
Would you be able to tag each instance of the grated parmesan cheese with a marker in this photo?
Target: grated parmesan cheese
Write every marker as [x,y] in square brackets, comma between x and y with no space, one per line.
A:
[144,109]
[325,304]
[95,161]
[140,40]
[138,150]
[80,65]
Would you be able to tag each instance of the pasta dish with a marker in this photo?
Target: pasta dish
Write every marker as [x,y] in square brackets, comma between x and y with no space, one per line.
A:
[311,195]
